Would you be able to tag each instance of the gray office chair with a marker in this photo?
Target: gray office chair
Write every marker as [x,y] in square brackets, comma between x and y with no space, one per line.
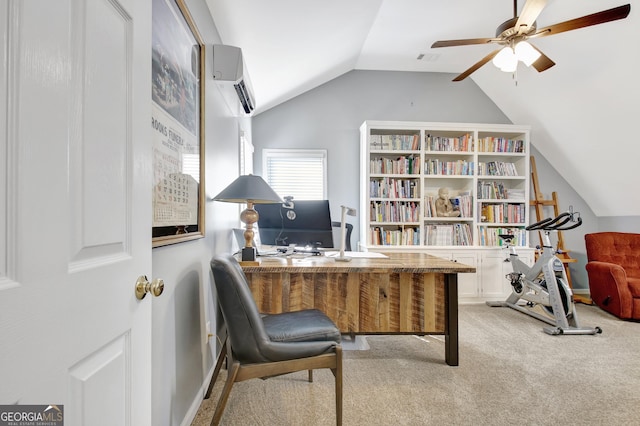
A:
[349,229]
[262,346]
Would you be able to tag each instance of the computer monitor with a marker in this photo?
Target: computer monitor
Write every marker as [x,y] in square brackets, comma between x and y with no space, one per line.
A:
[307,223]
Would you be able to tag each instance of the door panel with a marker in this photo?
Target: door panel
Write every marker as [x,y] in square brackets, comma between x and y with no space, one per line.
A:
[100,187]
[99,384]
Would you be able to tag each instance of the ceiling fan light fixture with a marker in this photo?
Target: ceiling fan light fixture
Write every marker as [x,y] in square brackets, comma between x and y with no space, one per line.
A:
[506,60]
[526,53]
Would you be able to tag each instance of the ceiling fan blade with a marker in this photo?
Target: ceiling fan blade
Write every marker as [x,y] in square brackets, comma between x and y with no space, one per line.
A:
[463,42]
[609,15]
[476,66]
[529,14]
[543,63]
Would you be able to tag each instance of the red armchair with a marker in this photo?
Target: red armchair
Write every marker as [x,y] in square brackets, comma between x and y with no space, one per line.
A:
[613,267]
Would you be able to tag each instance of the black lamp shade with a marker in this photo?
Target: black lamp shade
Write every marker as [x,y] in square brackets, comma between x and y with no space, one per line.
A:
[248,188]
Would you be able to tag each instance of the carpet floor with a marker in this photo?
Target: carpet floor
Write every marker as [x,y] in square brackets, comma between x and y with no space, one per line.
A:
[510,372]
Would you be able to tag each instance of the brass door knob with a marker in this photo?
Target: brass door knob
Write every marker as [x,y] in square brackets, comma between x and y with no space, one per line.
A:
[143,286]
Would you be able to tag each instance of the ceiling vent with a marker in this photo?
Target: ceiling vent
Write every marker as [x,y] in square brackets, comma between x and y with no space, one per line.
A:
[228,71]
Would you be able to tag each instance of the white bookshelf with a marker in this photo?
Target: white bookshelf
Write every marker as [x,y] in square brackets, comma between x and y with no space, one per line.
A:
[484,166]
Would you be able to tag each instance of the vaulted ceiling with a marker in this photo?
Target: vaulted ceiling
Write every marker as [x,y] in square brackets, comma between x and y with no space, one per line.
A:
[582,110]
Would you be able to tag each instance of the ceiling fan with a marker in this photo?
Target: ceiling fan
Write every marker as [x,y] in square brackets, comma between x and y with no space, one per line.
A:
[514,33]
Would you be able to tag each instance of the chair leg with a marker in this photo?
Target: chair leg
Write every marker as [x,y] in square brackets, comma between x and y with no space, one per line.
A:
[222,402]
[337,372]
[216,371]
[310,376]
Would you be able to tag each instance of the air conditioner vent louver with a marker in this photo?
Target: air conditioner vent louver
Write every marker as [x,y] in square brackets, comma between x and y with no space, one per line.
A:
[243,95]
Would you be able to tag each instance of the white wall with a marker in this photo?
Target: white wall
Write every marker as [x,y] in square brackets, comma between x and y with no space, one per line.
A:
[182,358]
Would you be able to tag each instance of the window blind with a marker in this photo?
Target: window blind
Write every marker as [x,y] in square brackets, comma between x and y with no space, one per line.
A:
[299,173]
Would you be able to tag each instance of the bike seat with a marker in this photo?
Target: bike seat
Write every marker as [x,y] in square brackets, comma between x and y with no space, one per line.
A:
[507,237]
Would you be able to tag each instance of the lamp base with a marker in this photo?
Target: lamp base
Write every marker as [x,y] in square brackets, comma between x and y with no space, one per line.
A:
[248,254]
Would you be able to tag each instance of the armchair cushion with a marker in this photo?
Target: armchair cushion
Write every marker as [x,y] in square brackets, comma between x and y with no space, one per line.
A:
[613,267]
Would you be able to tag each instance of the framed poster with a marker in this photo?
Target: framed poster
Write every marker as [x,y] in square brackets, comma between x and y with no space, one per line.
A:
[177,125]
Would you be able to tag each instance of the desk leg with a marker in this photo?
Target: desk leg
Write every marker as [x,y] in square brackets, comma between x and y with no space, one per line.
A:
[451,318]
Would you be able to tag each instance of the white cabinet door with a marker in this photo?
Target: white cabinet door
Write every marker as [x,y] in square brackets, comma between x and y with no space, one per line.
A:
[493,269]
[468,284]
[495,285]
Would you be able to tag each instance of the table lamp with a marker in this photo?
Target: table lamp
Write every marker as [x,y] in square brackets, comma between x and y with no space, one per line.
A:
[249,189]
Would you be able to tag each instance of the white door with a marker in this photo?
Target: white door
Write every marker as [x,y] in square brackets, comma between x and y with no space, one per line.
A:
[75,188]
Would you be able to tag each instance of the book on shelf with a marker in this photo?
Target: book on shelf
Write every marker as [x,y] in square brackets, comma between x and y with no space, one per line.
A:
[497,168]
[393,188]
[454,234]
[394,211]
[449,144]
[463,203]
[443,235]
[498,144]
[436,166]
[492,190]
[408,236]
[430,206]
[394,142]
[502,213]
[409,165]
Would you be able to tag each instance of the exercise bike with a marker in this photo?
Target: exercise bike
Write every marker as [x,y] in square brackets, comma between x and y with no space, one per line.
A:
[545,283]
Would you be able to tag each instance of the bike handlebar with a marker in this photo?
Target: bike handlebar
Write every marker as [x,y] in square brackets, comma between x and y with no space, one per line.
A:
[575,225]
[556,224]
[538,225]
[559,220]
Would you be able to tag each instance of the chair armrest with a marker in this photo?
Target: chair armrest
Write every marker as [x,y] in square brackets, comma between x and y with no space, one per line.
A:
[609,288]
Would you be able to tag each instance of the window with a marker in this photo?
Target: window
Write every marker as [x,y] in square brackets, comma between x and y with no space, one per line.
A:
[301,173]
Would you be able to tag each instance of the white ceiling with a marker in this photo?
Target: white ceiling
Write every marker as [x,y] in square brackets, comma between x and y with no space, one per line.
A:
[582,110]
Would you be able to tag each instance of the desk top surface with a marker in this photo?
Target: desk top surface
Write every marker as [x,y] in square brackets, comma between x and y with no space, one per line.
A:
[395,262]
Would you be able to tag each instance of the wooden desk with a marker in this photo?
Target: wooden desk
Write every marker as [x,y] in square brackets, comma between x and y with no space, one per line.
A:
[406,293]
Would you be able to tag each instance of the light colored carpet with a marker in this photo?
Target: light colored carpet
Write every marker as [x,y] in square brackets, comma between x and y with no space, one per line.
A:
[510,372]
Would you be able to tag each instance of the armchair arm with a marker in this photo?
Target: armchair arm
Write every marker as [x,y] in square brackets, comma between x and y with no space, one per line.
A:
[609,288]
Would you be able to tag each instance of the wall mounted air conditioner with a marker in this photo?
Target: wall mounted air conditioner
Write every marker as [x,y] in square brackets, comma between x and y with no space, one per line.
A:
[228,72]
